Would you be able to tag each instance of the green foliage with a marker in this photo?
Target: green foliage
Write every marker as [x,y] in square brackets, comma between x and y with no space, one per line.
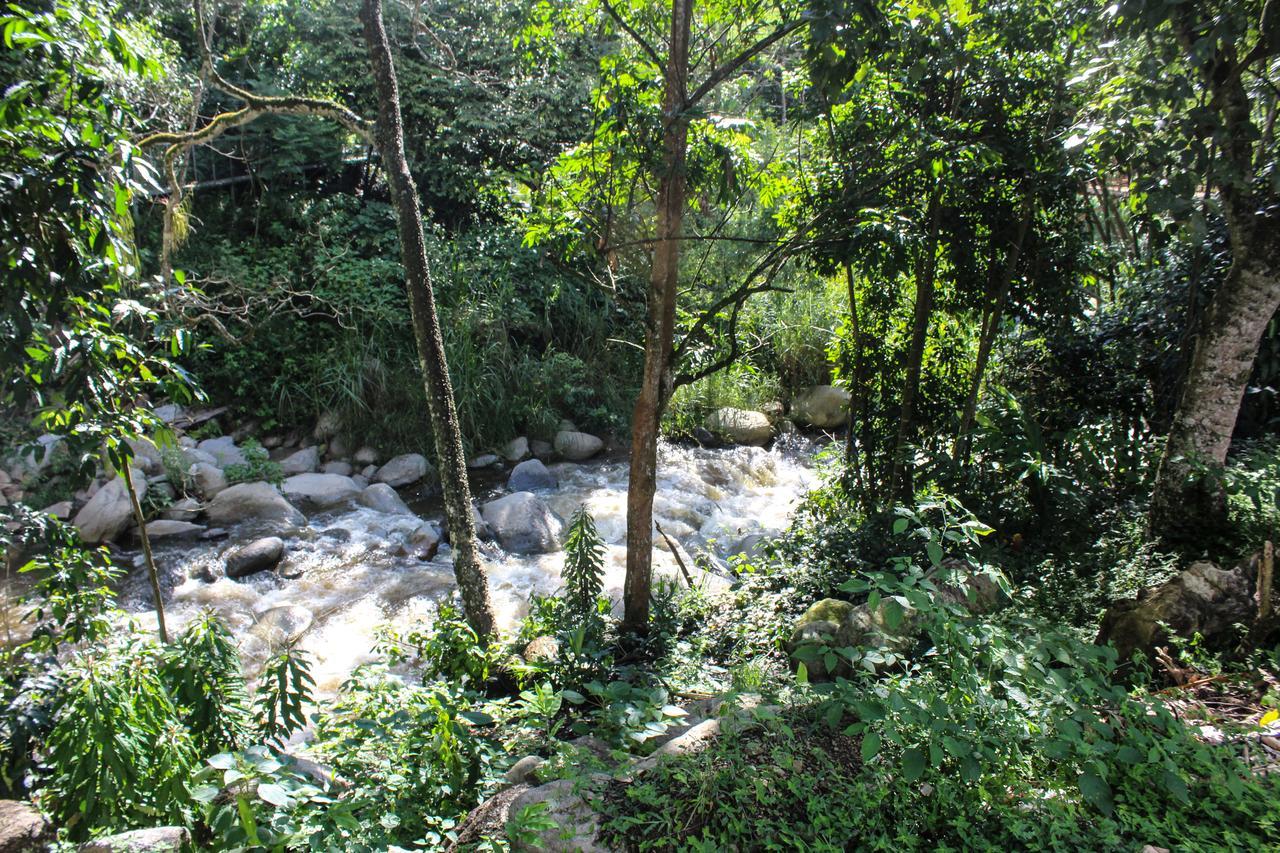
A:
[202,671]
[257,465]
[255,799]
[446,649]
[285,689]
[583,571]
[118,753]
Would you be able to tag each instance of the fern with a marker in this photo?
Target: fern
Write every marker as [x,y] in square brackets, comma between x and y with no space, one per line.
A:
[583,569]
[285,690]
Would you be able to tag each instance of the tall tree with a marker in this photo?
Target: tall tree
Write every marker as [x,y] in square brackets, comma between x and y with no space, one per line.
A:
[472,581]
[658,378]
[388,137]
[1229,50]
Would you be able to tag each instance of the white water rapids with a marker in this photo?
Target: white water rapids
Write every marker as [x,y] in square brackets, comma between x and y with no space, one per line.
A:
[348,572]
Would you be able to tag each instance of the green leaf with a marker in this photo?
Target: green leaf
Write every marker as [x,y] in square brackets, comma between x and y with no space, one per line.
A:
[934,550]
[900,526]
[870,747]
[272,793]
[1096,791]
[912,764]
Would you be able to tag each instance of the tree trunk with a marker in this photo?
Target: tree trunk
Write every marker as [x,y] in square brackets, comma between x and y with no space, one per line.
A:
[472,581]
[1185,499]
[1188,496]
[659,333]
[990,328]
[152,574]
[901,480]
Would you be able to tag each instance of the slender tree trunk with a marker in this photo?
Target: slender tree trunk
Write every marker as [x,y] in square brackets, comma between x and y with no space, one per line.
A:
[472,581]
[990,328]
[152,574]
[900,479]
[659,333]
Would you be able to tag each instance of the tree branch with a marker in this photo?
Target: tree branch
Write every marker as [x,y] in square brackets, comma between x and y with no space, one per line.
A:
[730,68]
[635,36]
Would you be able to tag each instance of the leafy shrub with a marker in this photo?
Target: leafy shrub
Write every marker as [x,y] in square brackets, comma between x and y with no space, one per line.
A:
[257,466]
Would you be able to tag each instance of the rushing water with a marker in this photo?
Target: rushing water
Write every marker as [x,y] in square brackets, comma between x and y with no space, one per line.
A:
[349,571]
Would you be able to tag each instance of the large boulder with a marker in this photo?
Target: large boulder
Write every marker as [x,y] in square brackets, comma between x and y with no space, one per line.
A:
[158,839]
[823,406]
[258,556]
[260,503]
[168,528]
[516,450]
[1204,600]
[109,511]
[739,426]
[523,524]
[320,490]
[22,828]
[531,476]
[40,454]
[207,479]
[327,426]
[889,626]
[576,823]
[577,446]
[404,470]
[224,450]
[146,456]
[304,461]
[383,498]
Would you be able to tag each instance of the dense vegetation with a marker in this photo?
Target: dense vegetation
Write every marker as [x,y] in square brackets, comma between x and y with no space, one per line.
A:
[1031,248]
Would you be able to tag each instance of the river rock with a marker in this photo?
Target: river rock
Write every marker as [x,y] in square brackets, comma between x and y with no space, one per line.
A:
[258,556]
[169,413]
[224,450]
[516,450]
[383,498]
[577,446]
[146,456]
[365,456]
[207,479]
[62,510]
[541,449]
[22,828]
[523,524]
[168,528]
[304,461]
[342,469]
[109,511]
[575,823]
[531,476]
[1203,599]
[823,406]
[258,502]
[739,426]
[337,448]
[320,490]
[185,509]
[403,470]
[541,649]
[40,454]
[281,625]
[484,460]
[327,426]
[159,839]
